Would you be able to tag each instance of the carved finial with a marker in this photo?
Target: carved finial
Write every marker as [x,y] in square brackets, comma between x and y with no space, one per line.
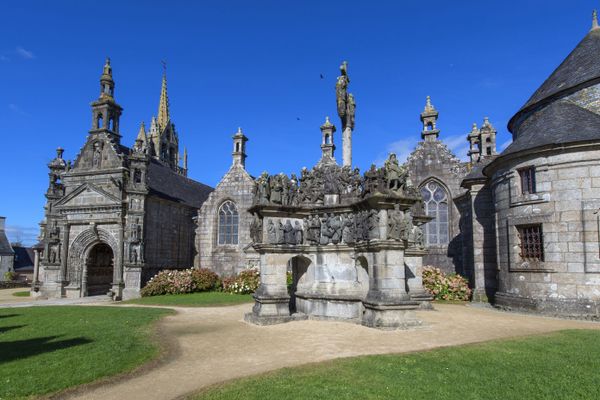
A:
[59,152]
[594,20]
[327,123]
[428,106]
[239,130]
[107,68]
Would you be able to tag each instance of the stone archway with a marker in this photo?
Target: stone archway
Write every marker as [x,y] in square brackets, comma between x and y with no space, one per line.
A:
[298,266]
[79,252]
[99,267]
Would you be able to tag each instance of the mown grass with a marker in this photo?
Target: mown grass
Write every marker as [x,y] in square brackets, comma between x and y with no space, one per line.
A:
[24,293]
[563,365]
[47,349]
[199,299]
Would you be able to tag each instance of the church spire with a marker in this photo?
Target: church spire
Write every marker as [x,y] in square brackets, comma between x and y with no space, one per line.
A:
[142,133]
[594,20]
[163,104]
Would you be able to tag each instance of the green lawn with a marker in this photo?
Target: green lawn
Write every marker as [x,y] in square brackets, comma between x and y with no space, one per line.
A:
[200,299]
[46,349]
[24,293]
[564,365]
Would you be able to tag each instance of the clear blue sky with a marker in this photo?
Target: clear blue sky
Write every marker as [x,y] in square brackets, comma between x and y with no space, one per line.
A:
[257,64]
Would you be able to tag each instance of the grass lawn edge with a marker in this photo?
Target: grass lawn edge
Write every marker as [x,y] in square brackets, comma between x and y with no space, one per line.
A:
[167,349]
[197,395]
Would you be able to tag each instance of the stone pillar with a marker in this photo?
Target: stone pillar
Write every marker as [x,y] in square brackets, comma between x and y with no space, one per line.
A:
[347,147]
[117,286]
[388,305]
[63,261]
[35,285]
[478,277]
[414,281]
[272,301]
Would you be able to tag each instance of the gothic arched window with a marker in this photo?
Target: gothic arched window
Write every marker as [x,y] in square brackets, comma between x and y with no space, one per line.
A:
[228,223]
[436,205]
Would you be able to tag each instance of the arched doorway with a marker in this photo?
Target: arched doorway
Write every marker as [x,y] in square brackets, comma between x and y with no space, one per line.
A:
[99,267]
[297,266]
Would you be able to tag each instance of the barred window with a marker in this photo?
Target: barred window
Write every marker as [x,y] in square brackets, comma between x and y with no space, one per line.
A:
[228,223]
[532,242]
[527,180]
[436,206]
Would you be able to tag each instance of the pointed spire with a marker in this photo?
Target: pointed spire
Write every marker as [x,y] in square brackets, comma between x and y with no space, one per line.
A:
[327,123]
[428,106]
[142,133]
[163,104]
[107,70]
[594,20]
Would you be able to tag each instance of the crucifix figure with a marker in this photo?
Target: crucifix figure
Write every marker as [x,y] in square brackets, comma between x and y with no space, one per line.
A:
[346,108]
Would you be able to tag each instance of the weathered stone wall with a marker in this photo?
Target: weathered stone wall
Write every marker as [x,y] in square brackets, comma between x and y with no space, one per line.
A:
[566,204]
[238,186]
[169,236]
[432,160]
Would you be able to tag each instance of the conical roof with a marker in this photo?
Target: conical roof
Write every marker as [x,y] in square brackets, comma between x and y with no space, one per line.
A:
[580,69]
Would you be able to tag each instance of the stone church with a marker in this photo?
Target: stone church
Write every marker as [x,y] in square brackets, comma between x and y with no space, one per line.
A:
[521,224]
[117,215]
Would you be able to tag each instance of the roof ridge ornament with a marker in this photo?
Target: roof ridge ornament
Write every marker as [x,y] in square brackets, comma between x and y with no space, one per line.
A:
[594,20]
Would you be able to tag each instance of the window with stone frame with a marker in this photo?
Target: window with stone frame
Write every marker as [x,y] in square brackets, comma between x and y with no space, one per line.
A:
[531,242]
[435,199]
[527,175]
[228,223]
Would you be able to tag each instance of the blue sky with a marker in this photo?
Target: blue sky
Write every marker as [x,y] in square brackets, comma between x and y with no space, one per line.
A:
[257,64]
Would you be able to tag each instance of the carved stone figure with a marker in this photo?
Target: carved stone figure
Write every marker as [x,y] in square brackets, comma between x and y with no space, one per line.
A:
[408,227]
[371,180]
[271,232]
[262,189]
[373,224]
[348,229]
[298,232]
[293,191]
[276,188]
[314,229]
[256,230]
[394,174]
[419,237]
[97,155]
[280,232]
[288,233]
[395,224]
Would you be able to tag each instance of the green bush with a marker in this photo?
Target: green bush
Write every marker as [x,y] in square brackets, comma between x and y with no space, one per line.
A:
[10,276]
[181,281]
[445,287]
[245,282]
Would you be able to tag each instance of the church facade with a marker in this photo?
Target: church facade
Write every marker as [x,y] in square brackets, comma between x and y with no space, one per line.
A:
[117,215]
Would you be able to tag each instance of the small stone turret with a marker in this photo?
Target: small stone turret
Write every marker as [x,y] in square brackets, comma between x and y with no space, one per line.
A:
[239,148]
[487,139]
[473,139]
[105,111]
[429,118]
[327,146]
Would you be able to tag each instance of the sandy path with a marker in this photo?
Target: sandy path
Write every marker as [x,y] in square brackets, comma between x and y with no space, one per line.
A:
[6,296]
[214,345]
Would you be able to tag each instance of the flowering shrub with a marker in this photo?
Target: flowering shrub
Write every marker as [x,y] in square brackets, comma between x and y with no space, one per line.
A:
[445,287]
[10,276]
[181,281]
[245,282]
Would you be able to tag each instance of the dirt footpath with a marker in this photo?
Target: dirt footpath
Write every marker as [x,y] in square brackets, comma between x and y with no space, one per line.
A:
[214,344]
[6,296]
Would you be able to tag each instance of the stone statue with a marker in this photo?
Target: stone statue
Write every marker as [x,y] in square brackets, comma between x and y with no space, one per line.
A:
[373,224]
[348,229]
[298,232]
[371,180]
[345,101]
[293,191]
[334,226]
[280,232]
[313,229]
[276,186]
[133,255]
[97,155]
[256,230]
[288,233]
[394,174]
[285,189]
[395,224]
[262,189]
[271,232]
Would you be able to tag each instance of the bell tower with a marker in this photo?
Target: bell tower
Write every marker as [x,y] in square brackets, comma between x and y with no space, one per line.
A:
[429,118]
[105,111]
[327,146]
[239,148]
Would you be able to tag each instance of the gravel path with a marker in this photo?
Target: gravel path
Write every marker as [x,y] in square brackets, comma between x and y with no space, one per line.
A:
[211,345]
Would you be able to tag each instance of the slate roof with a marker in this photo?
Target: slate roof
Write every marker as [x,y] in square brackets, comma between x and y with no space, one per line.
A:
[580,68]
[560,122]
[476,173]
[23,258]
[5,248]
[169,185]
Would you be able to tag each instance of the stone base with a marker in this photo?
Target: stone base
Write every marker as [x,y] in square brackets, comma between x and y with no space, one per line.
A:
[329,308]
[391,316]
[267,320]
[269,310]
[424,299]
[567,308]
[72,292]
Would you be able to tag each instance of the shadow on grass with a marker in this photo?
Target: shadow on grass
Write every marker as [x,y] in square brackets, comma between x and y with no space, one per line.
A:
[9,315]
[20,349]
[10,328]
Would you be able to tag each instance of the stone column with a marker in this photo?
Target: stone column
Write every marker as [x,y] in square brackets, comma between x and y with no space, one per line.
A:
[117,286]
[388,305]
[63,260]
[347,147]
[35,290]
[478,277]
[271,298]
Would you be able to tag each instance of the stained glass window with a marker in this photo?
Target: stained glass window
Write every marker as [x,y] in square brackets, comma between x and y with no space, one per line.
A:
[436,206]
[228,223]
